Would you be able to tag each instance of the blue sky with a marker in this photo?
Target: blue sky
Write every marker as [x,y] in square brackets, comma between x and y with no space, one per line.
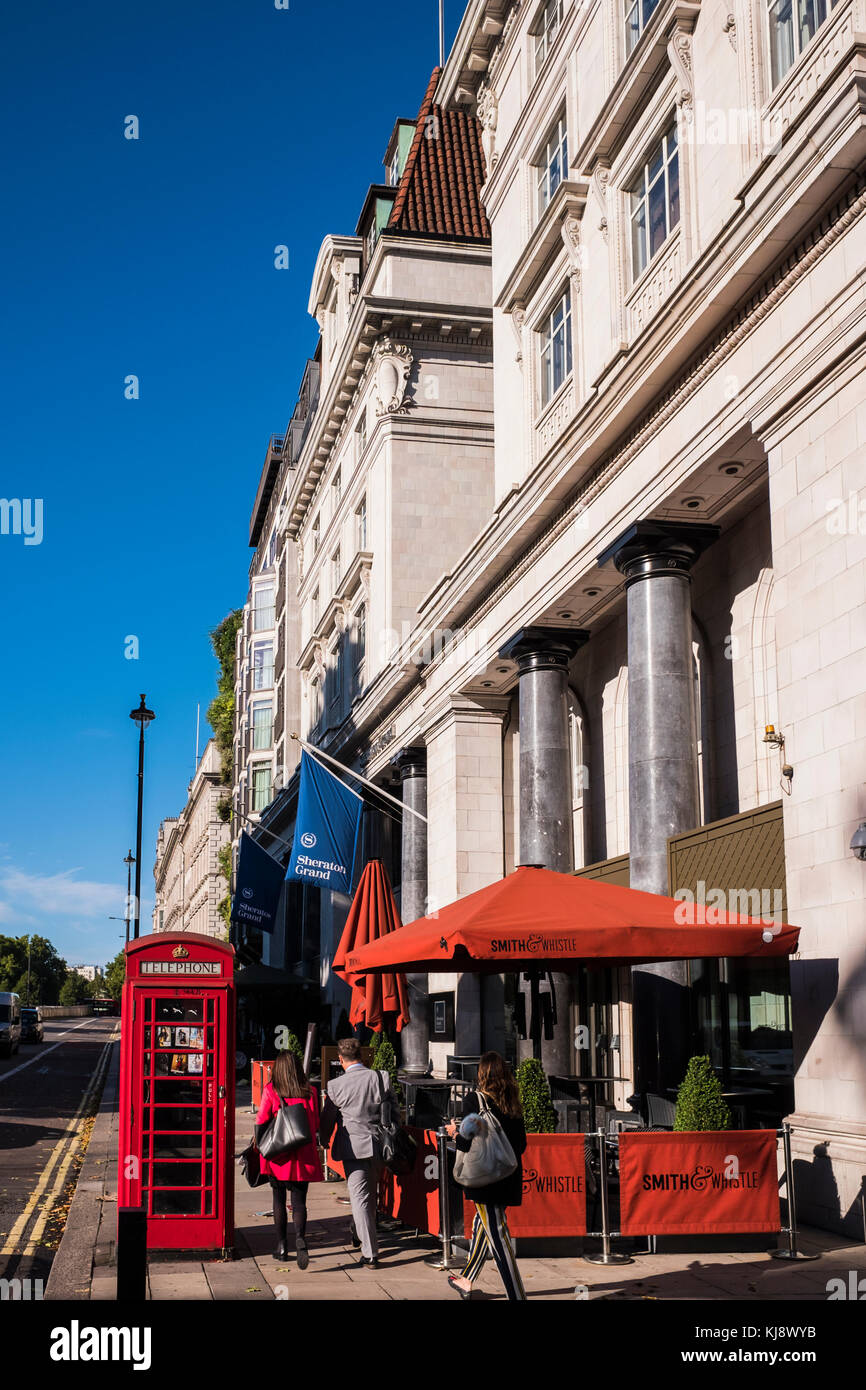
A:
[154,257]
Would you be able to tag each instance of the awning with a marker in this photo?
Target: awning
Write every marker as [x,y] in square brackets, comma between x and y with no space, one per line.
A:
[535,918]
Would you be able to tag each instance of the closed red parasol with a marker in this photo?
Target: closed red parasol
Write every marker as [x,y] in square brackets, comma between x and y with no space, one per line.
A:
[538,918]
[381,998]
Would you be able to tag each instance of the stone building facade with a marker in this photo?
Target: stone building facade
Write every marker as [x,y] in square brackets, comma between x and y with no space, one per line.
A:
[188,881]
[635,648]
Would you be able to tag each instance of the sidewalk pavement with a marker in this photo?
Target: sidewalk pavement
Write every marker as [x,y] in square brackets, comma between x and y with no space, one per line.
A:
[84,1268]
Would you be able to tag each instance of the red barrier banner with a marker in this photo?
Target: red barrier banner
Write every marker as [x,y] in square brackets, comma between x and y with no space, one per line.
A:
[694,1183]
[554,1189]
[414,1197]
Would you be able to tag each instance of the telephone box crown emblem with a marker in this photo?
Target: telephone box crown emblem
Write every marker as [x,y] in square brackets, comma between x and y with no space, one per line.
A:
[180,953]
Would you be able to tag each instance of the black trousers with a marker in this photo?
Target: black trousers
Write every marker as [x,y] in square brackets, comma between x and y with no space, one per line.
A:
[298,1193]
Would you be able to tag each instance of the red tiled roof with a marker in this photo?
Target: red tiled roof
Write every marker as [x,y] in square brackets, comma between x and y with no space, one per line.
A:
[439,190]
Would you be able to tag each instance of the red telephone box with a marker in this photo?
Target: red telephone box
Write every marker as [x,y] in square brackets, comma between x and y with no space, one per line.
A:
[176,1134]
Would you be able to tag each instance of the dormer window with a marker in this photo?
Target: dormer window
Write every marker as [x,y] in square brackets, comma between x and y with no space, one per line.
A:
[546,28]
[394,169]
[370,240]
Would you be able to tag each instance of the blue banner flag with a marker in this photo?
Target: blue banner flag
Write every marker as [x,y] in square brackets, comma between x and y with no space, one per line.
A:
[326,829]
[259,884]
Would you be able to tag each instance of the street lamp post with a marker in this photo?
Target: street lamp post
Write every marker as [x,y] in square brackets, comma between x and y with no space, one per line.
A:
[140,716]
[128,861]
[29,939]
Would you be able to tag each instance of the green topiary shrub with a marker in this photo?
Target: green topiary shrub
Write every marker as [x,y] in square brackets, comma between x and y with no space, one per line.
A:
[385,1059]
[539,1115]
[700,1103]
[293,1045]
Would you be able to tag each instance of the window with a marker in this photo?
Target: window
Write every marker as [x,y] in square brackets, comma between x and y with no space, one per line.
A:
[362,431]
[261,786]
[336,675]
[317,534]
[361,522]
[263,607]
[336,571]
[655,201]
[394,169]
[637,16]
[336,490]
[315,701]
[371,239]
[359,652]
[263,726]
[547,26]
[263,666]
[556,349]
[554,164]
[272,549]
[790,35]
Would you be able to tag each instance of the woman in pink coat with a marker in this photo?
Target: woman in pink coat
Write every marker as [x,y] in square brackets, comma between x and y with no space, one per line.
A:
[301,1166]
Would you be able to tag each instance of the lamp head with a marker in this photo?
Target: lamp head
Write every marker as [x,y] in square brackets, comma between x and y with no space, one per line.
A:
[142,715]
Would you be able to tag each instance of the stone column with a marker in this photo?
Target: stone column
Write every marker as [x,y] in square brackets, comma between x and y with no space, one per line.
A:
[656,559]
[546,834]
[411,763]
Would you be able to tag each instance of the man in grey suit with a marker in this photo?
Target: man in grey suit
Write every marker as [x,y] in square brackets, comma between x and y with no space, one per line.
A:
[354,1107]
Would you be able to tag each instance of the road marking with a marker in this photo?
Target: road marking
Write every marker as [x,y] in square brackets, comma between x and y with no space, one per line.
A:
[39,1055]
[21,1224]
[60,1181]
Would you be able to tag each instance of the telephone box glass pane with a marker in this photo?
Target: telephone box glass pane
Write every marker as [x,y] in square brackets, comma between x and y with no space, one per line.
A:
[179,1092]
[180,1011]
[177,1203]
[179,1146]
[176,1117]
[177,1174]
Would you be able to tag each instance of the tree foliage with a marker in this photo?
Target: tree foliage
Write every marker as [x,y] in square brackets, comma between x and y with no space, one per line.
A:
[75,989]
[539,1114]
[48,970]
[115,974]
[700,1103]
[221,711]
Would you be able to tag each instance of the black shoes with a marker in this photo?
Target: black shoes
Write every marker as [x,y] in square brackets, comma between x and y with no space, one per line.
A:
[302,1254]
[281,1252]
[464,1293]
[369,1264]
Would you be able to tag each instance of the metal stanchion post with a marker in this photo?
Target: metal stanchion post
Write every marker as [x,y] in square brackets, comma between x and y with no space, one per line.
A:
[792,1253]
[445,1259]
[605,1256]
[131,1254]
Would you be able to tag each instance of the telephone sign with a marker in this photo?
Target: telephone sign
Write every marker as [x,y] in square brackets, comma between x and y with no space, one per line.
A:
[177,1090]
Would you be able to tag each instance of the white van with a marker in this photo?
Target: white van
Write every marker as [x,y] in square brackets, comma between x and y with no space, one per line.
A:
[10,1024]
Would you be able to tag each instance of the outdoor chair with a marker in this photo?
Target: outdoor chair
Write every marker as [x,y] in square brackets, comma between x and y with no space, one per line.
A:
[661,1113]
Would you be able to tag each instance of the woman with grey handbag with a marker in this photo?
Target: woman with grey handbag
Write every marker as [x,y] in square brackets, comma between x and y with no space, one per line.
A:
[492,1177]
[292,1171]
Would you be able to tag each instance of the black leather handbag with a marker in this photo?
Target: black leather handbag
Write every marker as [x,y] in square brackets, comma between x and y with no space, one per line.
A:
[288,1129]
[252,1169]
[399,1150]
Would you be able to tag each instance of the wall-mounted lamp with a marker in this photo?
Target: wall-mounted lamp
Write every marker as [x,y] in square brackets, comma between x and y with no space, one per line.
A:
[770,736]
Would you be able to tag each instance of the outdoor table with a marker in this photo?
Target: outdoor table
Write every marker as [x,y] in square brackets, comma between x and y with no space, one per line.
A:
[736,1097]
[412,1084]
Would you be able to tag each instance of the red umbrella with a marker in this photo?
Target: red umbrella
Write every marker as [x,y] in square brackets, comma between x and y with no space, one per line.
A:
[538,918]
[372,916]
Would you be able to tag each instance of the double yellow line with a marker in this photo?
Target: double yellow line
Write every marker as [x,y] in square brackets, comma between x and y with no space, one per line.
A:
[75,1128]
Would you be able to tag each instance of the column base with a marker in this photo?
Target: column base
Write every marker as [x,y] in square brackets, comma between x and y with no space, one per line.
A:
[829,1158]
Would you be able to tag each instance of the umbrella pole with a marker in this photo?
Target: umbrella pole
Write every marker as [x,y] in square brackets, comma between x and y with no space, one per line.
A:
[535,1014]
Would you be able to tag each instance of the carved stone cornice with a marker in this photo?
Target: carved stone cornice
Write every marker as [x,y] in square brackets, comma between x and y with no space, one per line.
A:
[567,204]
